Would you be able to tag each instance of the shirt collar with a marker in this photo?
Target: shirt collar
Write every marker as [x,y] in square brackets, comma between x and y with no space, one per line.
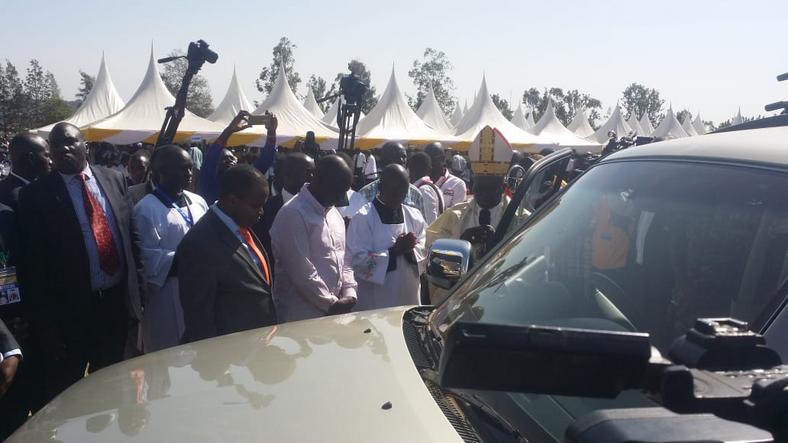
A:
[87,171]
[20,178]
[286,196]
[312,201]
[226,219]
[423,181]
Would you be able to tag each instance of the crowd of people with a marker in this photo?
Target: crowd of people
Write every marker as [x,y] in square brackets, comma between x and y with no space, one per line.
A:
[103,263]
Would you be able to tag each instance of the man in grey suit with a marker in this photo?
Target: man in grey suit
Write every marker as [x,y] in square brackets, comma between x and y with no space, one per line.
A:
[223,271]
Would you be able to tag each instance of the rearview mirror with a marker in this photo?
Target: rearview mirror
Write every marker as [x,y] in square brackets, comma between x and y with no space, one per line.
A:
[448,262]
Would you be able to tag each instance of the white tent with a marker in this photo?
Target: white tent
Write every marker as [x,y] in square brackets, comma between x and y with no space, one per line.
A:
[645,125]
[614,123]
[456,116]
[737,120]
[392,119]
[669,127]
[550,128]
[634,124]
[294,119]
[529,122]
[311,104]
[518,119]
[141,118]
[102,101]
[686,125]
[331,115]
[483,113]
[700,128]
[430,112]
[465,108]
[233,102]
[580,126]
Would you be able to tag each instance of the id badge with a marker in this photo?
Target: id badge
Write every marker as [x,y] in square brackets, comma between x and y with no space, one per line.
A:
[9,288]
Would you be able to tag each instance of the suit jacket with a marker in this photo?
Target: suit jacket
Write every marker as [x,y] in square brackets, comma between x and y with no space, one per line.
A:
[262,228]
[7,342]
[221,289]
[56,277]
[9,249]
[9,191]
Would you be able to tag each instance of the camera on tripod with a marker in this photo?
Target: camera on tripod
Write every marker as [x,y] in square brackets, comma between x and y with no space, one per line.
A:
[352,88]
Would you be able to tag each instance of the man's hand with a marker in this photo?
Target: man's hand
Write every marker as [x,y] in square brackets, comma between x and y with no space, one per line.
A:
[342,306]
[478,234]
[272,124]
[239,123]
[7,372]
[404,243]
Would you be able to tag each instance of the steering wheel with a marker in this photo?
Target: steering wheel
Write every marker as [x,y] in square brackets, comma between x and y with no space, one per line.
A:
[612,300]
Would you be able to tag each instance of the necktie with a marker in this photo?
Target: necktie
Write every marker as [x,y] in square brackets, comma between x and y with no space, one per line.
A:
[485,218]
[108,253]
[247,235]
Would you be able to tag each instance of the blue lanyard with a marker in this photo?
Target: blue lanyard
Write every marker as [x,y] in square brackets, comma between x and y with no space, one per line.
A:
[187,214]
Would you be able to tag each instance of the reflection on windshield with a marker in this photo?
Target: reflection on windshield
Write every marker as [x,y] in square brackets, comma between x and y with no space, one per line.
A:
[639,245]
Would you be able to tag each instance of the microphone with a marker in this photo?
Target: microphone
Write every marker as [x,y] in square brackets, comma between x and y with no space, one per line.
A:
[485,218]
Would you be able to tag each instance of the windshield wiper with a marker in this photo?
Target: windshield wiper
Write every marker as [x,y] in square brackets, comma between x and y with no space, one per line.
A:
[491,417]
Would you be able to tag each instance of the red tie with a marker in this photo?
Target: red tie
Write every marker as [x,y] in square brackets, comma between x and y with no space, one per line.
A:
[108,253]
[247,235]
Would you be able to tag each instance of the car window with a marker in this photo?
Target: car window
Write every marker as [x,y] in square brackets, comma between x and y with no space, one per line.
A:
[646,246]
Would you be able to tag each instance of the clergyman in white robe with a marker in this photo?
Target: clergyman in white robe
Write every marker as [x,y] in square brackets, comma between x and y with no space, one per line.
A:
[161,229]
[368,243]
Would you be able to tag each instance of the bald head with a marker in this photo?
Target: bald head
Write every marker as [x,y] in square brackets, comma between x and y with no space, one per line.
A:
[331,181]
[438,159]
[392,153]
[29,156]
[67,145]
[297,169]
[173,169]
[393,185]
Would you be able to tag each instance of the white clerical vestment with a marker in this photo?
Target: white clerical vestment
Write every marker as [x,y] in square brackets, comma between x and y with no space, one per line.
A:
[368,243]
[161,228]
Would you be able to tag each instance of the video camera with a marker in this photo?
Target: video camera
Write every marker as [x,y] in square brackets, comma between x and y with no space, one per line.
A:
[352,89]
[722,383]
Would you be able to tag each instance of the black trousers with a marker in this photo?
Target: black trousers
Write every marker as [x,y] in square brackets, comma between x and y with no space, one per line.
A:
[26,393]
[101,344]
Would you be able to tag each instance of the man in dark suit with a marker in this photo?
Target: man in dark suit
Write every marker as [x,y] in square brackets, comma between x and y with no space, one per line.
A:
[296,170]
[82,268]
[29,160]
[10,354]
[224,274]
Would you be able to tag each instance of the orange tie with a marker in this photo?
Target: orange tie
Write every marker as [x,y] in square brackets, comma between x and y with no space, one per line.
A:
[247,235]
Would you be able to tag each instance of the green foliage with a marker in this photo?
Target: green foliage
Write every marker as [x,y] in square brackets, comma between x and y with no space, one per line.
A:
[433,70]
[640,100]
[683,115]
[565,103]
[198,99]
[503,106]
[320,88]
[283,54]
[12,101]
[86,82]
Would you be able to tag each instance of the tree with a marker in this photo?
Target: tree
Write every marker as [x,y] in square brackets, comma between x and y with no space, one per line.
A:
[503,106]
[566,104]
[433,70]
[368,100]
[36,95]
[640,100]
[12,101]
[683,115]
[198,99]
[283,54]
[319,87]
[86,82]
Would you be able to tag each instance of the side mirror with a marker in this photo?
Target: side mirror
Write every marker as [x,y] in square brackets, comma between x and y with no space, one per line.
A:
[448,262]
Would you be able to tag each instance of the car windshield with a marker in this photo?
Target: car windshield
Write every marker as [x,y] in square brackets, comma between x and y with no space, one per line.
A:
[643,246]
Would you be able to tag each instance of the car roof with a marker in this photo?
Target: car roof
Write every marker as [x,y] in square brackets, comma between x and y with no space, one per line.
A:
[765,146]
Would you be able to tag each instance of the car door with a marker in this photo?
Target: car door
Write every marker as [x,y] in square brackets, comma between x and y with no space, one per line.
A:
[543,180]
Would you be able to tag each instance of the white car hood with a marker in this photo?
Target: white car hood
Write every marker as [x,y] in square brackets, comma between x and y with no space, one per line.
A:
[319,380]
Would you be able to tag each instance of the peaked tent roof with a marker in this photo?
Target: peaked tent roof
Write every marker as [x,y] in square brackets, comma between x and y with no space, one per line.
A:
[483,113]
[686,125]
[737,119]
[645,125]
[430,112]
[234,101]
[141,118]
[393,119]
[456,116]
[669,127]
[614,123]
[550,128]
[700,128]
[634,124]
[529,122]
[294,119]
[518,119]
[580,126]
[311,104]
[102,101]
[465,108]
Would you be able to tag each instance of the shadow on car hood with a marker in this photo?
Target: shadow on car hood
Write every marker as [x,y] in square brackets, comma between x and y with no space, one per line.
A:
[318,380]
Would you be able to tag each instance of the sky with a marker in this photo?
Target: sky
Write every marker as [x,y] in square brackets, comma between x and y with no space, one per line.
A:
[708,56]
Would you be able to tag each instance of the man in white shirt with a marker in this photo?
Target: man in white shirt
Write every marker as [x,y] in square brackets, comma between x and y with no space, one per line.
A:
[419,167]
[453,188]
[308,240]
